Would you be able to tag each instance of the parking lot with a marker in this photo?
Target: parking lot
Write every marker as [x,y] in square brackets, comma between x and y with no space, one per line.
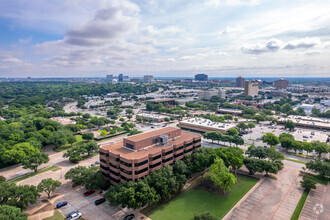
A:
[272,199]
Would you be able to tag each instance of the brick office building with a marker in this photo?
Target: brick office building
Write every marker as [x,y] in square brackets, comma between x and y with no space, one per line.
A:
[139,155]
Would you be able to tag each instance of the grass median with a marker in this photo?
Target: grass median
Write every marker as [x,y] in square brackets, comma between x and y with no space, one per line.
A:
[18,179]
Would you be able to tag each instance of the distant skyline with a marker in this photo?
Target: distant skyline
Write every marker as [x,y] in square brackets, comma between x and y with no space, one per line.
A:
[165,38]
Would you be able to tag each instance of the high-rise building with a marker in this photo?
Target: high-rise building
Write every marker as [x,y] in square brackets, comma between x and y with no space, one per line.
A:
[201,77]
[139,155]
[120,78]
[109,78]
[281,83]
[148,78]
[240,82]
[251,88]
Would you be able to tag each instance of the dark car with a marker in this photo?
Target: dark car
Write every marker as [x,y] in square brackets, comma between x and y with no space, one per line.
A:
[71,213]
[61,204]
[89,192]
[129,217]
[100,201]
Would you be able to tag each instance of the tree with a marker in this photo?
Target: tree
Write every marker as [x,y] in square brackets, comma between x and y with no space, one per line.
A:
[88,136]
[321,167]
[132,195]
[95,180]
[232,132]
[204,216]
[19,196]
[259,152]
[270,139]
[258,118]
[270,167]
[163,181]
[103,133]
[79,174]
[320,147]
[254,165]
[34,161]
[48,186]
[251,125]
[308,183]
[58,138]
[71,139]
[307,147]
[8,212]
[2,179]
[220,175]
[242,126]
[274,155]
[286,108]
[74,153]
[228,117]
[289,125]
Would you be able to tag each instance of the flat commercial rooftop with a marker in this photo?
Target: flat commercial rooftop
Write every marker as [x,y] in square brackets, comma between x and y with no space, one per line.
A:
[309,136]
[206,124]
[147,115]
[118,148]
[308,121]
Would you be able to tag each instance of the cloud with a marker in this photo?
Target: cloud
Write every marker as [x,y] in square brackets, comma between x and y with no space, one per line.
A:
[217,3]
[107,24]
[303,43]
[204,55]
[270,46]
[231,30]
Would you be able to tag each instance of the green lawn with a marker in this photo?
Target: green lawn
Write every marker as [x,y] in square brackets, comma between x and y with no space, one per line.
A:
[79,141]
[192,201]
[299,207]
[293,160]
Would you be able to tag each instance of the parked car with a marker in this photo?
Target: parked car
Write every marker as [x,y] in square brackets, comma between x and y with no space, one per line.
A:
[74,216]
[89,192]
[97,162]
[99,201]
[61,204]
[129,217]
[71,213]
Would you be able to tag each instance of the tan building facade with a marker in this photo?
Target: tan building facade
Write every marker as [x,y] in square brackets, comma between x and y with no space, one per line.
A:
[251,88]
[139,155]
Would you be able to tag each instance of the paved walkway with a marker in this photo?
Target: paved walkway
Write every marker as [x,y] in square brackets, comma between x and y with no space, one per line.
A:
[326,205]
[272,199]
[314,208]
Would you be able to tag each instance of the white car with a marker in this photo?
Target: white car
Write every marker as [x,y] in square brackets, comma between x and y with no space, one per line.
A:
[74,216]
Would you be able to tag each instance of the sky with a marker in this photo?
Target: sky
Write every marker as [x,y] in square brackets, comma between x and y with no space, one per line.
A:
[168,38]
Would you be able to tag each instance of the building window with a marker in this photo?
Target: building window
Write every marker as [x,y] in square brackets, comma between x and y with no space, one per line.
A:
[168,152]
[101,153]
[178,155]
[154,141]
[141,171]
[187,151]
[141,163]
[115,180]
[155,165]
[126,171]
[103,167]
[124,178]
[126,164]
[179,148]
[130,146]
[103,161]
[156,157]
[114,173]
[187,145]
[168,159]
[197,141]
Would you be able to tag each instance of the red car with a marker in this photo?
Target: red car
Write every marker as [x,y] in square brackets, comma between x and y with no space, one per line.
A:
[89,192]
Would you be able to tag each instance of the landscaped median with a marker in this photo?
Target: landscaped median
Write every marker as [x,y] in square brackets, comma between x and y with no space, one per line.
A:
[201,197]
[18,179]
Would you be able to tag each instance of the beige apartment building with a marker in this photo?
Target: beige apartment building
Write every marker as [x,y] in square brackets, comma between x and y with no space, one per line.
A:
[137,156]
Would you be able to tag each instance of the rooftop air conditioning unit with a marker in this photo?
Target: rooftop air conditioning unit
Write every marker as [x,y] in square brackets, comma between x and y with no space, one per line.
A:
[163,139]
